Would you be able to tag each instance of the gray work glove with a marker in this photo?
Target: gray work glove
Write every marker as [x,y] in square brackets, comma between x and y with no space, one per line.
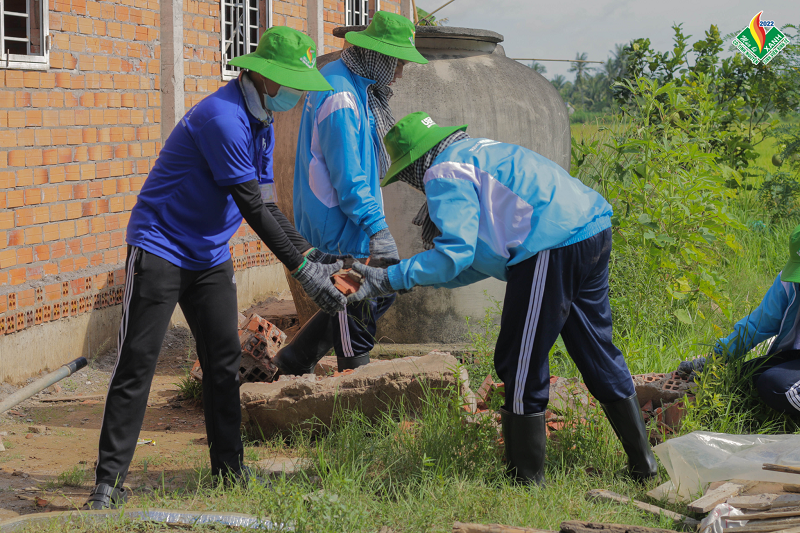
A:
[318,256]
[316,281]
[375,283]
[689,369]
[382,244]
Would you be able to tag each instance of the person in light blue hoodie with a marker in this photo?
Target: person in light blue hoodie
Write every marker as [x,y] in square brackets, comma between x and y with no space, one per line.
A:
[339,164]
[776,375]
[503,211]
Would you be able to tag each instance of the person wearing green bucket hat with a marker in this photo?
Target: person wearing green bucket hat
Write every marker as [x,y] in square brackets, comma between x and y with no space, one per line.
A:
[776,375]
[212,171]
[338,167]
[499,210]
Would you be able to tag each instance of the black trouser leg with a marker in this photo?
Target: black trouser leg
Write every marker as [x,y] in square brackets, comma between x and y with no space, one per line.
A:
[777,380]
[354,330]
[152,288]
[209,305]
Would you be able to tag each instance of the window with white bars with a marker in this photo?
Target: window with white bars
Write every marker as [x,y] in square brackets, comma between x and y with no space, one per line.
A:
[241,26]
[356,12]
[24,34]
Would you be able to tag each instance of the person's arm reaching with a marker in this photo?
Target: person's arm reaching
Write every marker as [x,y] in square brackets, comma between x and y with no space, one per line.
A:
[288,228]
[314,277]
[248,199]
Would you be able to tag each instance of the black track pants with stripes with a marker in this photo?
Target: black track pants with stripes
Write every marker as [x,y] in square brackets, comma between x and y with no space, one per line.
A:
[354,328]
[777,379]
[153,286]
[560,291]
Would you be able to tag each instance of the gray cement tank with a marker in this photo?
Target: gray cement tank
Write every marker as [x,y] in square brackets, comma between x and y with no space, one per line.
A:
[469,80]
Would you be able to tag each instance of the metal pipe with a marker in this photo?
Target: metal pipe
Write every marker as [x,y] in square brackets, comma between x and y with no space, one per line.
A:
[40,384]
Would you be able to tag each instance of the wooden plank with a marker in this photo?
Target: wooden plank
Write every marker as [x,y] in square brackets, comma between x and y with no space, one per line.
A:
[755,502]
[764,526]
[761,516]
[781,468]
[607,495]
[577,526]
[791,487]
[786,500]
[717,496]
[460,527]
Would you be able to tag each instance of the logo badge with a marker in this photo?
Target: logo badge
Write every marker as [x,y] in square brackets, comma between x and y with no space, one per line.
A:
[760,41]
[412,37]
[428,121]
[310,58]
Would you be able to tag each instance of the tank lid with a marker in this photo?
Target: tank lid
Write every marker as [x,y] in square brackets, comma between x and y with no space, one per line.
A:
[432,32]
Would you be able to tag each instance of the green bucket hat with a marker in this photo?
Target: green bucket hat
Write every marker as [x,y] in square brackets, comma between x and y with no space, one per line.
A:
[410,139]
[389,34]
[791,272]
[287,57]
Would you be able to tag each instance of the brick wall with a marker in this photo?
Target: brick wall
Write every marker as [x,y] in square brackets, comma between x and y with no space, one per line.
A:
[76,143]
[201,49]
[292,13]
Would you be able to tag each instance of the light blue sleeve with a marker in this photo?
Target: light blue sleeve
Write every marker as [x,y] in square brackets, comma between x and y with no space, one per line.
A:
[454,209]
[763,323]
[340,144]
[467,277]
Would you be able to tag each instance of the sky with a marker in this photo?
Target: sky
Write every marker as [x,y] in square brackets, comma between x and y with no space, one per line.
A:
[560,29]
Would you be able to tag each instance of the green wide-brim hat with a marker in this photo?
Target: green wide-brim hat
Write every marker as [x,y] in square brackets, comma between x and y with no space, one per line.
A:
[410,139]
[791,272]
[287,57]
[391,35]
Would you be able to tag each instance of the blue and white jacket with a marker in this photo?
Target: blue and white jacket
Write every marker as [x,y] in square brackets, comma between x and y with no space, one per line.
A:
[497,205]
[337,198]
[777,316]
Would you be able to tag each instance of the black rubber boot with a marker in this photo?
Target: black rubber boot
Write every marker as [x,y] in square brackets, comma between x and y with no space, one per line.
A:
[626,419]
[311,343]
[104,496]
[525,439]
[352,362]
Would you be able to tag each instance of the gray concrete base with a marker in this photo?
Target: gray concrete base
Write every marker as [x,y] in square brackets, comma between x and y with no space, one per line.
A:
[48,346]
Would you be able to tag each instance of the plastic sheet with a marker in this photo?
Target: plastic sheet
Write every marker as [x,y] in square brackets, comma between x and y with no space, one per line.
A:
[164,516]
[721,517]
[694,460]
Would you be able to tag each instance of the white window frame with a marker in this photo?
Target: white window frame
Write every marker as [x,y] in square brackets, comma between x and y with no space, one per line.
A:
[26,62]
[356,17]
[250,12]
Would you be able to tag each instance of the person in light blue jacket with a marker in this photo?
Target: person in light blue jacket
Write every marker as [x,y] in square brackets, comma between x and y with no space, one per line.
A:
[776,375]
[503,211]
[340,161]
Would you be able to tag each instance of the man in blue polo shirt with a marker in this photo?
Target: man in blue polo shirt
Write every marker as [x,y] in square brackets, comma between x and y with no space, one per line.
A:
[214,169]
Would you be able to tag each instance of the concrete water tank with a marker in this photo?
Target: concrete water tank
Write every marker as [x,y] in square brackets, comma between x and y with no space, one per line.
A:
[469,80]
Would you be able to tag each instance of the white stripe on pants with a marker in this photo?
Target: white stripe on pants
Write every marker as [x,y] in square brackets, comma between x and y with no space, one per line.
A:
[344,331]
[793,395]
[528,335]
[123,323]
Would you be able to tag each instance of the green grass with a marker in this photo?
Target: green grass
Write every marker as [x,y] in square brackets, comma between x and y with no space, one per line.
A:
[419,476]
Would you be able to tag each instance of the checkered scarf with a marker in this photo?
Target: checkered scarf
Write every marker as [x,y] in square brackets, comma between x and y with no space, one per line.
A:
[414,175]
[379,67]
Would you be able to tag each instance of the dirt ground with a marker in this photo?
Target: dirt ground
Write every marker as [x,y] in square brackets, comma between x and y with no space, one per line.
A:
[45,439]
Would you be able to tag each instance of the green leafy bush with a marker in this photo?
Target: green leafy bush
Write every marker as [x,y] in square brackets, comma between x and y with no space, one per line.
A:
[659,171]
